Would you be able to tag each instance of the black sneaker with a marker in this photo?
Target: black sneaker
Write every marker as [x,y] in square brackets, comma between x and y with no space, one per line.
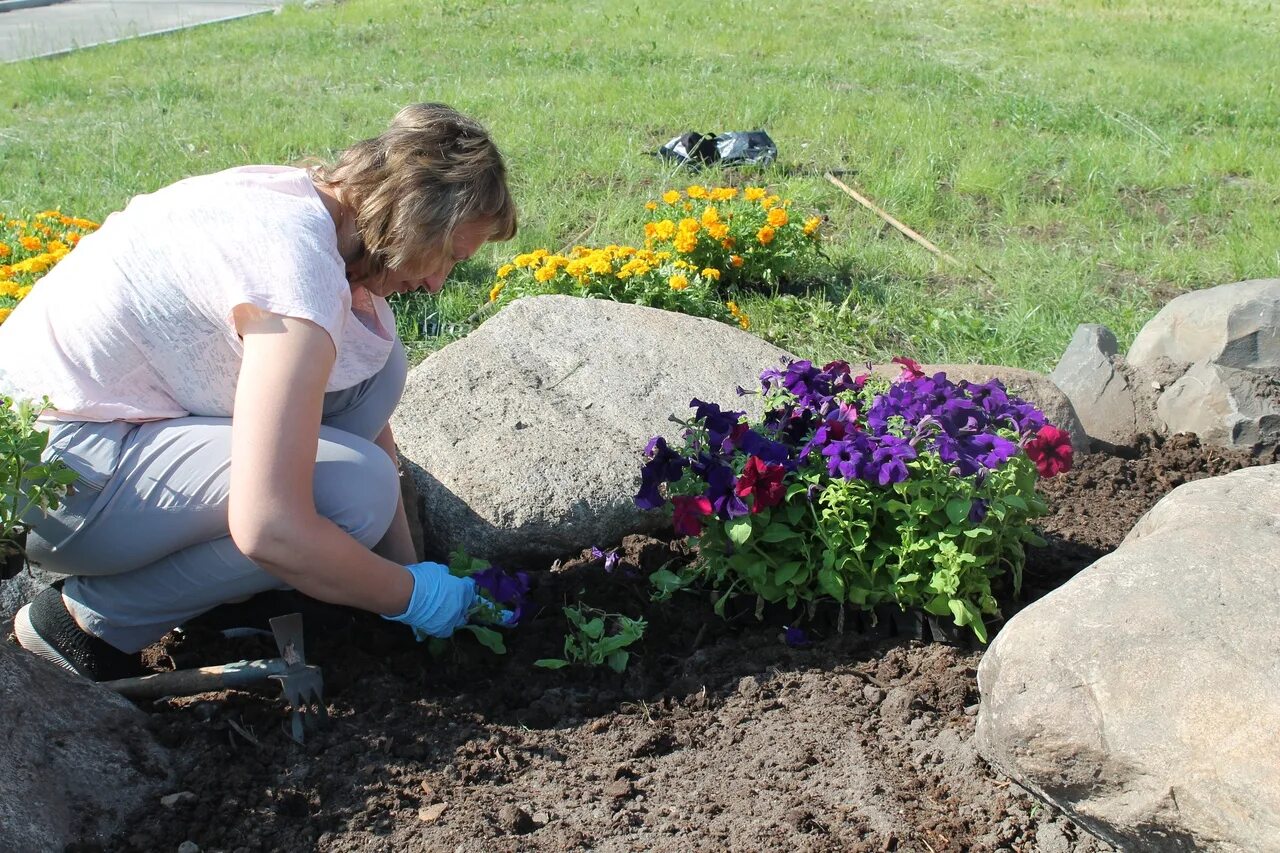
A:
[46,629]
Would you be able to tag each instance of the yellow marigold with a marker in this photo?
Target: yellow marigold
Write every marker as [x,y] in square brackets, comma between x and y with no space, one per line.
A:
[57,247]
[678,281]
[31,244]
[523,261]
[5,251]
[769,201]
[71,237]
[735,260]
[718,230]
[36,264]
[732,306]
[16,223]
[754,193]
[711,273]
[23,291]
[665,230]
[729,242]
[506,270]
[710,216]
[685,242]
[4,314]
[49,214]
[602,266]
[650,205]
[744,322]
[689,225]
[765,235]
[82,224]
[696,191]
[539,254]
[812,224]
[650,230]
[688,206]
[545,274]
[723,193]
[671,196]
[778,217]
[8,288]
[496,291]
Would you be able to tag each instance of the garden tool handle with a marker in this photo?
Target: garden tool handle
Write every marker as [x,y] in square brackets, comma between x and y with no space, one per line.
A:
[186,682]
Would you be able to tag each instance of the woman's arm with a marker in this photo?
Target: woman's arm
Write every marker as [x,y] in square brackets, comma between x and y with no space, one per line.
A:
[274,434]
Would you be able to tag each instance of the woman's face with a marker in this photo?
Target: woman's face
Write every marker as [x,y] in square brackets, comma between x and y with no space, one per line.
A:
[430,272]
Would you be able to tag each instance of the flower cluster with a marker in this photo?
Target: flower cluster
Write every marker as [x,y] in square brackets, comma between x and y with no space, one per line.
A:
[917,492]
[751,235]
[619,273]
[29,248]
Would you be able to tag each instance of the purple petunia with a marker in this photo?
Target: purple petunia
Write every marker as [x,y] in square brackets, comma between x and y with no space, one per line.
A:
[505,589]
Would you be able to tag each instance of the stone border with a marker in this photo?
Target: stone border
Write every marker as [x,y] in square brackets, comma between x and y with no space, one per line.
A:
[10,5]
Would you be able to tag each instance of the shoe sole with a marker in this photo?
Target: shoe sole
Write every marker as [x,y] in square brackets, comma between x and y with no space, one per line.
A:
[31,640]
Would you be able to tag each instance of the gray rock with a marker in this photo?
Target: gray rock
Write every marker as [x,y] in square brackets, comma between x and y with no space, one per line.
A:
[1098,390]
[1233,325]
[1225,406]
[1143,697]
[77,758]
[525,437]
[1031,386]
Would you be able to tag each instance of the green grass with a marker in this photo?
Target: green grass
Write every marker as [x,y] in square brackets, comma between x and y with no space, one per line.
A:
[1097,157]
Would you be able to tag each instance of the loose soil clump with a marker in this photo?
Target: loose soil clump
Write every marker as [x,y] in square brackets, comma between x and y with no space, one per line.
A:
[718,736]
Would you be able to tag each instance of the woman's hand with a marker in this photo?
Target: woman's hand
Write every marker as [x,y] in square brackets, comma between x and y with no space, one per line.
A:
[440,602]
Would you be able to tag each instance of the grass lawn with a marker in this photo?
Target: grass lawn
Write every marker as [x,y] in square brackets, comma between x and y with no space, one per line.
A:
[1096,157]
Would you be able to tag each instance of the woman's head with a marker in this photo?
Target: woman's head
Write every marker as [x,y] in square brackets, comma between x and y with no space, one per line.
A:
[411,189]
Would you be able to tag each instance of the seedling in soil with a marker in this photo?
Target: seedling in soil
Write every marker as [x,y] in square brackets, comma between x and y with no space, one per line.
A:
[596,638]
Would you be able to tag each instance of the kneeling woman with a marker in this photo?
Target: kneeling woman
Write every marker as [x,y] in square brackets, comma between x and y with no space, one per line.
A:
[223,365]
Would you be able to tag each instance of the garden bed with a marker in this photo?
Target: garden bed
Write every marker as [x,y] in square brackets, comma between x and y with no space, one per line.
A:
[718,735]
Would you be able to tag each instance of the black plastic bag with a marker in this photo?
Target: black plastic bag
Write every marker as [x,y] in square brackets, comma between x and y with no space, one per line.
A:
[734,148]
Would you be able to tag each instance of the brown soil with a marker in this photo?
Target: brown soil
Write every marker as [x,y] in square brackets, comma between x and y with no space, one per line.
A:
[718,736]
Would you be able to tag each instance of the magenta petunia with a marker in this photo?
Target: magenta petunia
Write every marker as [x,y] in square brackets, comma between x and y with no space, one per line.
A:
[910,368]
[1050,450]
[689,512]
[763,482]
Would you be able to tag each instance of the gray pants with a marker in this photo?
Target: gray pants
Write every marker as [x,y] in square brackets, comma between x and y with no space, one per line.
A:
[145,536]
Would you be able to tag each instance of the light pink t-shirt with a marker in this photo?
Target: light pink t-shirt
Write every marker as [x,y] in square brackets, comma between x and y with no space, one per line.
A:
[136,322]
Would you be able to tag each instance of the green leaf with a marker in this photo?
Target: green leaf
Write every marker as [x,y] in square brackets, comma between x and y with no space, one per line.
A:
[667,582]
[958,510]
[778,532]
[618,660]
[786,572]
[488,638]
[551,663]
[832,584]
[739,530]
[594,629]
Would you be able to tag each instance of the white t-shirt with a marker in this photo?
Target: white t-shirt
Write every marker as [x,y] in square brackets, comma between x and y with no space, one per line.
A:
[136,322]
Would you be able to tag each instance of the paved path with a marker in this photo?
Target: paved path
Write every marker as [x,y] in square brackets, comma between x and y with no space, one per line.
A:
[32,31]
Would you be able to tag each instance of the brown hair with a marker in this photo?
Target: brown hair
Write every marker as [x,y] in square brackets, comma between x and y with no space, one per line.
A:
[432,170]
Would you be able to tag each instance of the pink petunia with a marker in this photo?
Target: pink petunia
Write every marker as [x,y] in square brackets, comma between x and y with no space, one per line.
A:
[763,482]
[910,368]
[1051,450]
[689,512]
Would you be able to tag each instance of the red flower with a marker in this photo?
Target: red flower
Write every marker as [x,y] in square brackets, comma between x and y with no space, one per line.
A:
[689,512]
[910,368]
[763,482]
[1050,450]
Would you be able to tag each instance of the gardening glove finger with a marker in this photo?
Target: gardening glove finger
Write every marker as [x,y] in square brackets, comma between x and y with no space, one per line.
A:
[439,603]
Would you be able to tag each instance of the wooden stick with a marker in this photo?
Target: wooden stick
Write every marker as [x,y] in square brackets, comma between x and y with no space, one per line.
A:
[883,214]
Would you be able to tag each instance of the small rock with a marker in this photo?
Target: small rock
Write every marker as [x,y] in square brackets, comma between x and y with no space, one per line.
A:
[181,798]
[619,789]
[515,820]
[188,847]
[542,818]
[971,710]
[428,792]
[874,695]
[748,686]
[431,814]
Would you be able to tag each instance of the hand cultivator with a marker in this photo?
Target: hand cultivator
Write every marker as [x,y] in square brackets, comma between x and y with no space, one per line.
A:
[301,683]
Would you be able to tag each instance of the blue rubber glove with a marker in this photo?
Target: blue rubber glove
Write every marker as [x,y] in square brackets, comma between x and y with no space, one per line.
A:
[440,601]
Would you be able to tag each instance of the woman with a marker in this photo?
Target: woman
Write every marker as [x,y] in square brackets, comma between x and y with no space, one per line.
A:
[223,364]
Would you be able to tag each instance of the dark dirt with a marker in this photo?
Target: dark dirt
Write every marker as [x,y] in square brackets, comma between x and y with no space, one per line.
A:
[718,736]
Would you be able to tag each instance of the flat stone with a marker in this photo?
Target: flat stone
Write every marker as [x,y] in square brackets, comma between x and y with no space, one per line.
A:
[1098,390]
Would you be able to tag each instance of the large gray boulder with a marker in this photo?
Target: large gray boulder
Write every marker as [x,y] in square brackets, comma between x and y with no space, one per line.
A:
[1233,325]
[1030,386]
[1226,406]
[525,437]
[1143,697]
[20,589]
[75,759]
[1090,374]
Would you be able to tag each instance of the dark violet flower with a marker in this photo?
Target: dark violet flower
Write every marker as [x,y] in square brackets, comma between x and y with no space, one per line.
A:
[610,557]
[667,465]
[977,511]
[796,638]
[690,510]
[763,483]
[889,461]
[648,497]
[720,491]
[718,422]
[845,458]
[1050,450]
[987,450]
[505,589]
[773,452]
